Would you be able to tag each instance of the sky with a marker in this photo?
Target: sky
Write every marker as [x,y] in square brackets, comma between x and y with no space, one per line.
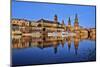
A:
[36,10]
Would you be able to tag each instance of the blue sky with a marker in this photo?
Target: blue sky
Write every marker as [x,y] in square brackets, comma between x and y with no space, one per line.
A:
[35,11]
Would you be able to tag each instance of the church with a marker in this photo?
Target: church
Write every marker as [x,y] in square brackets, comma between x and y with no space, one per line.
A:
[44,26]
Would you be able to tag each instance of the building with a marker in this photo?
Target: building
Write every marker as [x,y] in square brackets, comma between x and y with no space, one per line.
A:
[92,33]
[51,26]
[20,25]
[44,27]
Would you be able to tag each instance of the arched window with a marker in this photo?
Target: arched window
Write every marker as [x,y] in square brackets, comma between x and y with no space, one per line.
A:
[39,25]
[44,29]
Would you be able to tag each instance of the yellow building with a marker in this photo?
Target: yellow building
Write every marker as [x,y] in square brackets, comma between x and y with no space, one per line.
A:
[48,26]
[20,25]
[92,33]
[43,27]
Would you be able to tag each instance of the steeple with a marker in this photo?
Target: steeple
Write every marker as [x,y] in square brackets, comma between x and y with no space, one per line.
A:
[76,24]
[63,22]
[76,18]
[69,21]
[55,18]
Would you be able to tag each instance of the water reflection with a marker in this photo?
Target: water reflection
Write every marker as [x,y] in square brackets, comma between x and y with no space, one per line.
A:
[32,50]
[21,42]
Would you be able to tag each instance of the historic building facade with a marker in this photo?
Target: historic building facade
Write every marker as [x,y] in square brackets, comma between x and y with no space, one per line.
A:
[43,27]
[20,26]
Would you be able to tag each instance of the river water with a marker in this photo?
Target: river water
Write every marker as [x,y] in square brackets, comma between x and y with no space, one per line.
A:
[33,51]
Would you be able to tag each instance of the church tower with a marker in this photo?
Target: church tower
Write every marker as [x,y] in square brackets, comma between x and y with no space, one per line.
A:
[55,18]
[63,25]
[69,25]
[76,23]
[63,22]
[69,22]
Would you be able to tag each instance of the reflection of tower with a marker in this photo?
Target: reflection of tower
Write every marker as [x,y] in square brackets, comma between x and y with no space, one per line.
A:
[76,24]
[16,43]
[40,44]
[25,42]
[76,44]
[55,18]
[62,42]
[29,42]
[69,42]
[55,48]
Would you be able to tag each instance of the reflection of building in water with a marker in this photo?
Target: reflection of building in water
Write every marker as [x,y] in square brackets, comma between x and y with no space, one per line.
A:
[25,42]
[55,47]
[20,42]
[84,34]
[92,33]
[69,40]
[63,42]
[76,43]
[76,39]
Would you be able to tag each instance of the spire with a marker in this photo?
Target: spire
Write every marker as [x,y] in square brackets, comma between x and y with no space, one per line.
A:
[69,21]
[76,24]
[63,22]
[55,18]
[76,18]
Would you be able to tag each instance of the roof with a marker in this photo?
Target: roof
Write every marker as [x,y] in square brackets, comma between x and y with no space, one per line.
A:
[47,21]
[21,19]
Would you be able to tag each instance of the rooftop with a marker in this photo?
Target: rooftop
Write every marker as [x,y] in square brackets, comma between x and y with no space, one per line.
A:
[47,21]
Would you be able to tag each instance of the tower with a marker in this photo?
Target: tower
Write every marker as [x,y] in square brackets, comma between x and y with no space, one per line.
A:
[69,25]
[63,25]
[55,18]
[76,23]
[69,22]
[63,22]
[69,42]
